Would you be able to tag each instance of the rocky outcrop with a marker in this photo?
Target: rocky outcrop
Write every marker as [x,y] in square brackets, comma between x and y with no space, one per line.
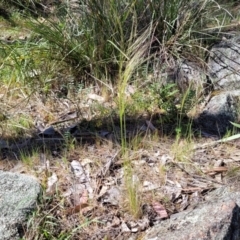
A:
[218,218]
[18,196]
[223,75]
[224,65]
[219,112]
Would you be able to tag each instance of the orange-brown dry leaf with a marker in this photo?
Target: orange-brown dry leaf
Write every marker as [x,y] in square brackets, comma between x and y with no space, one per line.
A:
[216,170]
[160,210]
[76,209]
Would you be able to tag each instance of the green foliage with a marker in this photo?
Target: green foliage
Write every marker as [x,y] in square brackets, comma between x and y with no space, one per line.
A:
[232,137]
[93,39]
[167,96]
[19,126]
[110,41]
[69,141]
[24,65]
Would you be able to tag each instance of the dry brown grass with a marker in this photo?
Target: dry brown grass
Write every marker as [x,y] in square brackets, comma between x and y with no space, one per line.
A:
[163,170]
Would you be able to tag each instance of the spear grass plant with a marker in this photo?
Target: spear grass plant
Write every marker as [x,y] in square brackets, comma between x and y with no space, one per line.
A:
[136,55]
[93,41]
[29,159]
[182,148]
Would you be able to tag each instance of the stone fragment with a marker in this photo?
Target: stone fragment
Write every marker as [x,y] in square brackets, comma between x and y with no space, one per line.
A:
[190,75]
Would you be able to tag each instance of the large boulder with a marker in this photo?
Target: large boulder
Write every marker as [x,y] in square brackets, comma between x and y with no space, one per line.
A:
[224,74]
[18,197]
[224,64]
[217,87]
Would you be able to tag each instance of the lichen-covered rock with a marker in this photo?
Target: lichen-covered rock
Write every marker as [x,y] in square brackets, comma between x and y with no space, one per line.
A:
[18,196]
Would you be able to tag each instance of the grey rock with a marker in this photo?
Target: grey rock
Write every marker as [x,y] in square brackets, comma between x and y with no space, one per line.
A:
[49,132]
[3,144]
[224,64]
[112,196]
[216,219]
[18,196]
[224,73]
[222,77]
[219,112]
[190,75]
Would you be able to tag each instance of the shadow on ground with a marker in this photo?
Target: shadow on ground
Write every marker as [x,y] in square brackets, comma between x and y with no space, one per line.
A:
[54,139]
